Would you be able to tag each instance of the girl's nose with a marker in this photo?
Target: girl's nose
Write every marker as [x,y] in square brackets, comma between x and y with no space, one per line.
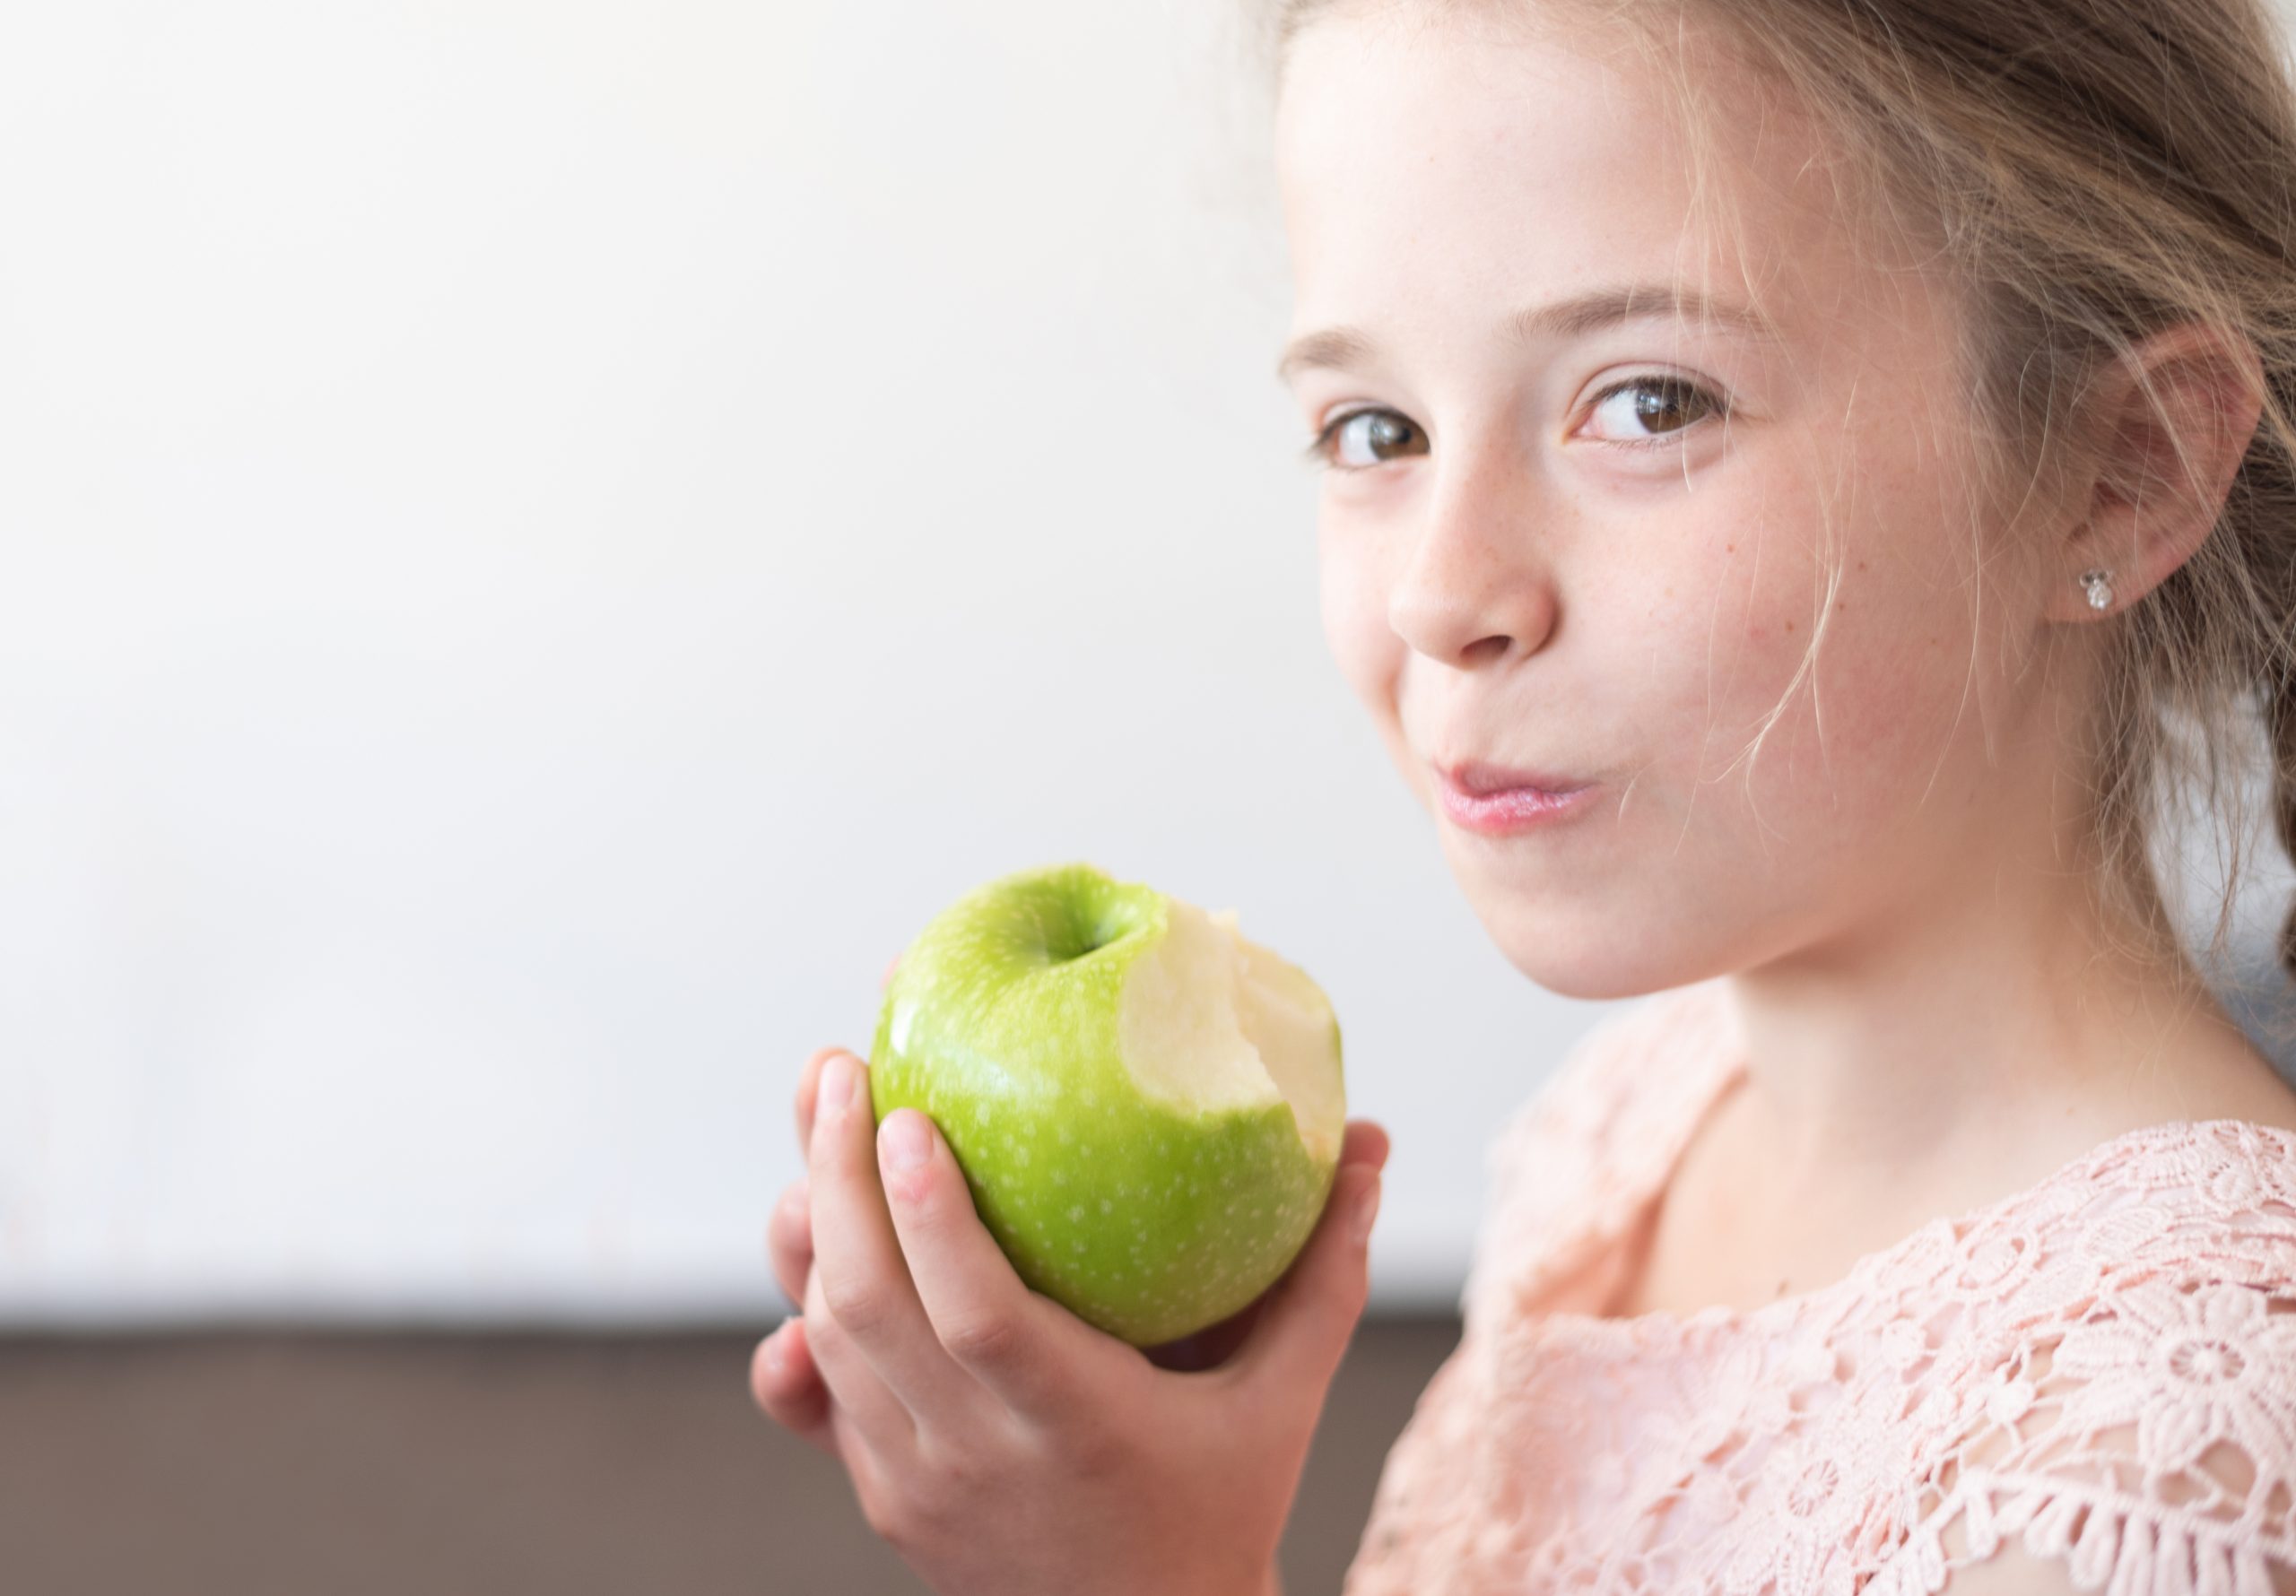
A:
[1476,585]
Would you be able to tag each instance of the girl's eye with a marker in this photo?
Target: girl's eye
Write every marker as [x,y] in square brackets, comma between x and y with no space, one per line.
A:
[1385,435]
[1358,439]
[1657,399]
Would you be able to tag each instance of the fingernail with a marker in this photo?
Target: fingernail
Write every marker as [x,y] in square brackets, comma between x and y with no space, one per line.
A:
[835,1093]
[909,1141]
[1366,1208]
[774,1360]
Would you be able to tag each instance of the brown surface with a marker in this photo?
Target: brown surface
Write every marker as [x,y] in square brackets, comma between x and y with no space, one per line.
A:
[285,1461]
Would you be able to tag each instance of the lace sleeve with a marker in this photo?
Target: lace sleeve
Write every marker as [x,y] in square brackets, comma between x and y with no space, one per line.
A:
[1549,1182]
[1553,1171]
[1538,1168]
[2146,1448]
[1412,1508]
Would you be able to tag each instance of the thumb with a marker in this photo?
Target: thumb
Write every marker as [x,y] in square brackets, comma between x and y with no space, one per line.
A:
[1310,1313]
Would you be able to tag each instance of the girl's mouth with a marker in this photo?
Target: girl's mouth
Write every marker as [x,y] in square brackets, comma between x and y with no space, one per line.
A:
[1508,809]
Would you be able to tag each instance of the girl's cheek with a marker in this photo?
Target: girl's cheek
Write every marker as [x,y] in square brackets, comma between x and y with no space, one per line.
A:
[1354,620]
[1881,689]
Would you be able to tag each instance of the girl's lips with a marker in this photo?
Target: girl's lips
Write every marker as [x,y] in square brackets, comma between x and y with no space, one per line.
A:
[1509,809]
[1477,779]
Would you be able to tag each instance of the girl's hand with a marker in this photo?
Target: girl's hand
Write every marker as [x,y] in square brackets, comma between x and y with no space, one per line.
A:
[789,1232]
[999,1442]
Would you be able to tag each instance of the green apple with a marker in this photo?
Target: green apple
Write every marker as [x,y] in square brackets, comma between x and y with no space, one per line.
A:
[1147,1107]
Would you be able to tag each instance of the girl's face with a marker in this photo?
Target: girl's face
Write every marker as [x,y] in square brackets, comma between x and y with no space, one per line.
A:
[1596,547]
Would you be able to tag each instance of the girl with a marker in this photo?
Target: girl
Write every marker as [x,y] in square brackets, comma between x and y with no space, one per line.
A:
[1804,481]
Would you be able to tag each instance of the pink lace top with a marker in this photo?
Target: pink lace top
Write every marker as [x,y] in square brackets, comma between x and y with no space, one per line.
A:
[2100,1369]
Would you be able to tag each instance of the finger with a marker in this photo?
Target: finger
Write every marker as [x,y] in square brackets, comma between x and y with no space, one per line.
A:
[789,1238]
[1365,1141]
[1016,1343]
[870,1416]
[857,1264]
[1310,1313]
[808,1084]
[787,1387]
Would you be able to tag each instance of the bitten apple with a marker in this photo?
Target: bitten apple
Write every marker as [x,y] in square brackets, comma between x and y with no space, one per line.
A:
[1147,1107]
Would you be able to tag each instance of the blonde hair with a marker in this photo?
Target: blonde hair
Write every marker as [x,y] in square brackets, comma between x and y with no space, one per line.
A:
[2089,171]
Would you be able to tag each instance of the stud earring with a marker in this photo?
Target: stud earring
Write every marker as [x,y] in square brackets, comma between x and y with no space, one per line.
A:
[2099,591]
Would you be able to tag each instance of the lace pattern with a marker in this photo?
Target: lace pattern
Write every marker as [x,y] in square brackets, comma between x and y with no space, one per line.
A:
[2100,1369]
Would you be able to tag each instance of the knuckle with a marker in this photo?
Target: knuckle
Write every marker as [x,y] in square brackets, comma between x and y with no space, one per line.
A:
[927,1211]
[860,1307]
[935,1518]
[888,1511]
[827,1343]
[793,1221]
[793,1259]
[791,1256]
[992,1338]
[876,1510]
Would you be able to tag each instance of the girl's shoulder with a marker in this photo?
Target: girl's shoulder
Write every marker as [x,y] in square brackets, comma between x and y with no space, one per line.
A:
[2113,1394]
[1571,1166]
[2188,1202]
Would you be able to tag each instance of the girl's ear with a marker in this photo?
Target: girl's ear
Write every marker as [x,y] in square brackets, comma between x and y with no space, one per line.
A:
[2160,464]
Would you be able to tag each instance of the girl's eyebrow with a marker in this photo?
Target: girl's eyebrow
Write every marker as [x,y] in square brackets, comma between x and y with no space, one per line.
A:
[1339,348]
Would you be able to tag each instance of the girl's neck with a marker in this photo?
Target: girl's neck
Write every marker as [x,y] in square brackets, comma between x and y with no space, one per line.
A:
[1974,1022]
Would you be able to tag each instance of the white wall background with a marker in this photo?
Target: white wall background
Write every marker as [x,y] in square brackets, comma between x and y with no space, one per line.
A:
[540,542]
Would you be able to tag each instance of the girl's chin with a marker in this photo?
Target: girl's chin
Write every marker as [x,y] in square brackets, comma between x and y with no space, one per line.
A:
[1619,957]
[1592,982]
